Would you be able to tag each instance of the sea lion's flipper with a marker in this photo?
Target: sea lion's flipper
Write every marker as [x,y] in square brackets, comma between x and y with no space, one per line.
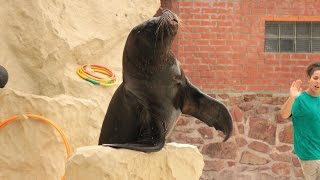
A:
[150,136]
[150,147]
[207,109]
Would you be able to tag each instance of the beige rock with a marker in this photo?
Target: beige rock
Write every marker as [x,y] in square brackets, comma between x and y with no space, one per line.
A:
[173,162]
[79,118]
[31,149]
[44,42]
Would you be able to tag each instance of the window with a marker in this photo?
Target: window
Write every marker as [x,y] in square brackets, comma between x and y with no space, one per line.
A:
[298,37]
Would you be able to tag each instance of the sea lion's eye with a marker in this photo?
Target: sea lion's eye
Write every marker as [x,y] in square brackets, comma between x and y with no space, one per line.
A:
[138,32]
[152,23]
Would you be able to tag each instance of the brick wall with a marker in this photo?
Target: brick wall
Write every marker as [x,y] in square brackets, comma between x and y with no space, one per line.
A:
[220,46]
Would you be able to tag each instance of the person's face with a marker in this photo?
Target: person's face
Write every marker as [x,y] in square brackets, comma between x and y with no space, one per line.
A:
[314,83]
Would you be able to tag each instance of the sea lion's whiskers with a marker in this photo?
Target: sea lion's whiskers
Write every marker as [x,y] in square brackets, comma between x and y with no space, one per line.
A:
[160,28]
[157,32]
[184,26]
[160,24]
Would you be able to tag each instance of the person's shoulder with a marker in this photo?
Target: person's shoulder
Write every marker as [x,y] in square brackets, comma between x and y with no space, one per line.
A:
[300,98]
[303,95]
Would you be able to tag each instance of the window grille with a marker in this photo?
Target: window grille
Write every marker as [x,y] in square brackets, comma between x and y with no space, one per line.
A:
[295,37]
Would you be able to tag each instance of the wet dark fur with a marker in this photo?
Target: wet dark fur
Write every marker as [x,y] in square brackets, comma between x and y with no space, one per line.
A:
[155,91]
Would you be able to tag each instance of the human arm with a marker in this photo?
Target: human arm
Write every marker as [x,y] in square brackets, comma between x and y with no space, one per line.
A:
[295,91]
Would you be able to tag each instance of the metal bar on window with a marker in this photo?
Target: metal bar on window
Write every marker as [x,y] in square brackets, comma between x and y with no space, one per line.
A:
[311,41]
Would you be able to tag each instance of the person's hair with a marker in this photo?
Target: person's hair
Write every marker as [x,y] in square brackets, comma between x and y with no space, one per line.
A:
[312,68]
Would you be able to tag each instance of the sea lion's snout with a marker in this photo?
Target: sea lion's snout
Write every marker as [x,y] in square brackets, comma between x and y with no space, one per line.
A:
[170,16]
[170,22]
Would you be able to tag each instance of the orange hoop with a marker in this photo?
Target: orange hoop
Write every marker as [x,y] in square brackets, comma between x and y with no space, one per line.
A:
[43,119]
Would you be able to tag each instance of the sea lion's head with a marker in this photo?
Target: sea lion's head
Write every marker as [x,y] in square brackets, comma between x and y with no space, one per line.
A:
[157,32]
[149,43]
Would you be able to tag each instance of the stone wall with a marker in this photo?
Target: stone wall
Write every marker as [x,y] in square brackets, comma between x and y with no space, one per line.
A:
[261,145]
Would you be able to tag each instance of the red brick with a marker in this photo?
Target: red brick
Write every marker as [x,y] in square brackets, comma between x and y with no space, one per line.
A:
[209,36]
[201,16]
[201,4]
[186,16]
[185,4]
[190,10]
[207,74]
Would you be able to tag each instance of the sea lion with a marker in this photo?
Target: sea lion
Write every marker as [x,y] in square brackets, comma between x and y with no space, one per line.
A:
[3,76]
[155,91]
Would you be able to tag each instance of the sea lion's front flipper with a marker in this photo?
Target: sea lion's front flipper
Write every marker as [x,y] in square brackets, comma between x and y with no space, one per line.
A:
[149,147]
[150,137]
[207,109]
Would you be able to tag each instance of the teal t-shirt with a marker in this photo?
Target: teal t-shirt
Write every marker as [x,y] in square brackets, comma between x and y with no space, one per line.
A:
[306,126]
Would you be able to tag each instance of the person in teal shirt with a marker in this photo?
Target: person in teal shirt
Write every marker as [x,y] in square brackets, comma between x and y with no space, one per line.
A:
[303,106]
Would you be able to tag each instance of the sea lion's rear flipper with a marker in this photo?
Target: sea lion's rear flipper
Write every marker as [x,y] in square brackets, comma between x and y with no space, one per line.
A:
[149,147]
[207,109]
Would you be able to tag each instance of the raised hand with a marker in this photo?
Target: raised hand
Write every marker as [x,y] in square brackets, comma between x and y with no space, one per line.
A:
[295,89]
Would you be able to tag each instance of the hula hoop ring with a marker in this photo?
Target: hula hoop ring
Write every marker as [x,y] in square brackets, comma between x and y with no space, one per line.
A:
[43,119]
[89,72]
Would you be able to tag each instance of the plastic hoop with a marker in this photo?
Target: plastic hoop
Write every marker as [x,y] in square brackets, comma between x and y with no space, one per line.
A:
[89,72]
[43,119]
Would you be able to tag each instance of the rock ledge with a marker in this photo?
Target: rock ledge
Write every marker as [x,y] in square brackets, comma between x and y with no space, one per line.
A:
[174,161]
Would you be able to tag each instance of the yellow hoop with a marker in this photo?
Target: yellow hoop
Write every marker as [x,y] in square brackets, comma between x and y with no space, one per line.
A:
[89,75]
